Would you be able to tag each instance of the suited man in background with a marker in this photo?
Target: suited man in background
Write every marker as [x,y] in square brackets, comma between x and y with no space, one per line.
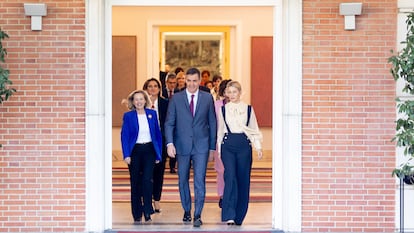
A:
[168,92]
[170,86]
[190,134]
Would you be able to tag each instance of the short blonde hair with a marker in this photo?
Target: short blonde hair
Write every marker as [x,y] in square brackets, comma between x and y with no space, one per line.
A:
[131,99]
[234,84]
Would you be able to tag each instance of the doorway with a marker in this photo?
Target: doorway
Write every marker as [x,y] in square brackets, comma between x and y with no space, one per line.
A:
[286,140]
[220,35]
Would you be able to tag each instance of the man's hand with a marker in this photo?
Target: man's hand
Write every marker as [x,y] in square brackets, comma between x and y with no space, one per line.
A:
[171,150]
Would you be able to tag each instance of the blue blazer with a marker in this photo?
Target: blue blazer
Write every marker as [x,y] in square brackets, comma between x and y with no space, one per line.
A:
[130,130]
[191,134]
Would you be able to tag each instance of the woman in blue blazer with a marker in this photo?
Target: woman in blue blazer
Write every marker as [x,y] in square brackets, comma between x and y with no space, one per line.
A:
[141,146]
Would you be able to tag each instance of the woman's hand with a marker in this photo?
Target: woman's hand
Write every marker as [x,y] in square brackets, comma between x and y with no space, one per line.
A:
[259,154]
[127,160]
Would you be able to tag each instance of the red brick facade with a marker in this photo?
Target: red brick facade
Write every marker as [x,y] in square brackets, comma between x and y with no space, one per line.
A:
[348,120]
[42,127]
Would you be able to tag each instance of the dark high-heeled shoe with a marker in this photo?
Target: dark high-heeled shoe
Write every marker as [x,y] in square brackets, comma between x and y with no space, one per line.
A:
[147,218]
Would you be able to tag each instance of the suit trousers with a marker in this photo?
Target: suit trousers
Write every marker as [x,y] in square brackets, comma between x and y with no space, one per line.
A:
[236,154]
[140,172]
[199,163]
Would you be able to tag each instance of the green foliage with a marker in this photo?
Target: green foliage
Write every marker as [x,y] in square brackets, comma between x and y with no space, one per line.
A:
[402,68]
[5,90]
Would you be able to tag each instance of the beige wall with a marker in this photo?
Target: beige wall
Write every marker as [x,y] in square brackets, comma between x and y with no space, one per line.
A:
[253,21]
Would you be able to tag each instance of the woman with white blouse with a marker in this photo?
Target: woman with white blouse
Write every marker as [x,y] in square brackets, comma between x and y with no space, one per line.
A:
[237,131]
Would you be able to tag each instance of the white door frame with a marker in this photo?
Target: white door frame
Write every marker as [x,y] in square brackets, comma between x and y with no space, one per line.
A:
[287,107]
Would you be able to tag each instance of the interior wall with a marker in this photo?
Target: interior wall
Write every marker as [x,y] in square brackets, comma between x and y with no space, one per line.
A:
[133,21]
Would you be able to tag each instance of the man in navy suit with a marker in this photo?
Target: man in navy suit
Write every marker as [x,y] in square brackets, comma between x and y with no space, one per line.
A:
[190,134]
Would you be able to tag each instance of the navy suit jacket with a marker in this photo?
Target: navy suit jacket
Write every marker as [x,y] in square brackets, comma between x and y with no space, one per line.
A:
[130,130]
[165,92]
[162,111]
[186,131]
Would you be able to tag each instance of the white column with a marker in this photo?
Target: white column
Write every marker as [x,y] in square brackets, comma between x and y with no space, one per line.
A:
[287,113]
[98,171]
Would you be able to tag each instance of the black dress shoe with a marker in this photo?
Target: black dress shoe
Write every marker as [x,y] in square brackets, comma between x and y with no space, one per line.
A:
[197,221]
[157,210]
[187,216]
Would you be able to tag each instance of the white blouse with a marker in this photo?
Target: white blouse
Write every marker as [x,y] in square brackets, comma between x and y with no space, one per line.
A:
[236,118]
[144,134]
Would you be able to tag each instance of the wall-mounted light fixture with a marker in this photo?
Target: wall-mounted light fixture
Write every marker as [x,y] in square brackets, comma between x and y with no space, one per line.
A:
[36,11]
[349,10]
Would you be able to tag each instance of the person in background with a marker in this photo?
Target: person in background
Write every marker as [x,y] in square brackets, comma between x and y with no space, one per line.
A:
[141,148]
[180,81]
[209,85]
[171,86]
[178,70]
[218,164]
[190,133]
[216,82]
[158,103]
[163,74]
[205,77]
[237,131]
[168,93]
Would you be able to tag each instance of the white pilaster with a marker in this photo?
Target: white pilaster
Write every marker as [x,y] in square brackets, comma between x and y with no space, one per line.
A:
[98,167]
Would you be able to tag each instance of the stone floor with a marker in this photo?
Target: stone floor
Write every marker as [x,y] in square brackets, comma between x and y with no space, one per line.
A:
[258,218]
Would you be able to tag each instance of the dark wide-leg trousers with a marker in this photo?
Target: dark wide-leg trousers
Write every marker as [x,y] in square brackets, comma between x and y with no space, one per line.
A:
[158,176]
[140,172]
[236,154]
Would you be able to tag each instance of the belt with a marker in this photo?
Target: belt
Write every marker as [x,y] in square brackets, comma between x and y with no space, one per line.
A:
[143,143]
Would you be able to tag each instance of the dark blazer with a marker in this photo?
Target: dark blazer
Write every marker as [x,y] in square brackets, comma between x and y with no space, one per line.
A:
[164,92]
[204,88]
[162,111]
[184,130]
[130,130]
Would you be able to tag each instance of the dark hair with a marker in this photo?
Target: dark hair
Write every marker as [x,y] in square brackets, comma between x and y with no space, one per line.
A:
[178,70]
[192,71]
[217,77]
[145,86]
[170,76]
[205,72]
[222,86]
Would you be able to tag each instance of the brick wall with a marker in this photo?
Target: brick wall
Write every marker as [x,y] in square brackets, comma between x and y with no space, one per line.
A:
[42,127]
[348,118]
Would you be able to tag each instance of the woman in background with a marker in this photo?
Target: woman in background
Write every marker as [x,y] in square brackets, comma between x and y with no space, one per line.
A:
[160,104]
[218,164]
[141,147]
